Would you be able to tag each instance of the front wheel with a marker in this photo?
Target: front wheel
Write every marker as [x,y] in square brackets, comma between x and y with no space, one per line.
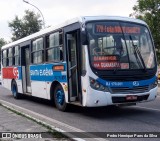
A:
[15,93]
[59,98]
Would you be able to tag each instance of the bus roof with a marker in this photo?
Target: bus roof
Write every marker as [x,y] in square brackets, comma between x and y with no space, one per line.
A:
[81,20]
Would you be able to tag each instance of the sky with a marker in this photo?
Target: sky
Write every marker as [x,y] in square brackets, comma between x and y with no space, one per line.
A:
[57,11]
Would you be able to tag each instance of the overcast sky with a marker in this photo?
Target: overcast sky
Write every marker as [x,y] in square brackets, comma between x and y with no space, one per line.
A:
[57,11]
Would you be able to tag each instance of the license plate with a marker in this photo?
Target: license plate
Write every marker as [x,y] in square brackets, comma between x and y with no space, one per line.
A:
[131,97]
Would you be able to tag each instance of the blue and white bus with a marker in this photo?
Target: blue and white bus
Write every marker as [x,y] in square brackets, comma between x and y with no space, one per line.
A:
[88,61]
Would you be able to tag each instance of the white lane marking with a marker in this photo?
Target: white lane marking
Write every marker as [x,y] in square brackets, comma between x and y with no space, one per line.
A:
[148,108]
[43,119]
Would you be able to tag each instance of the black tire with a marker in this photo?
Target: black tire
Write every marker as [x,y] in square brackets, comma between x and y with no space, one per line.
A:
[14,90]
[59,98]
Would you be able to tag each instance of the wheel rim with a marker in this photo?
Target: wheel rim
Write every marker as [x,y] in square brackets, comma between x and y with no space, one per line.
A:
[60,97]
[14,91]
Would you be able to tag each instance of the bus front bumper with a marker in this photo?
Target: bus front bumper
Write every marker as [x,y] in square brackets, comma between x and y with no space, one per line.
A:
[96,98]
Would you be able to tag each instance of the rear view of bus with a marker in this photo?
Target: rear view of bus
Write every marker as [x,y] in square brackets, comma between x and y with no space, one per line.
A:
[122,64]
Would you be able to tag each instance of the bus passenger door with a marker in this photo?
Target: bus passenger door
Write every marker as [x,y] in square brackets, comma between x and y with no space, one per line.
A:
[25,62]
[72,65]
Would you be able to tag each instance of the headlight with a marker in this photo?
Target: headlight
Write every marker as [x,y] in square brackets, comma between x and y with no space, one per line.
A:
[97,86]
[153,85]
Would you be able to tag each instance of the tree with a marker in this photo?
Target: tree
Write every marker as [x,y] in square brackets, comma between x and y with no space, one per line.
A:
[29,24]
[2,43]
[149,11]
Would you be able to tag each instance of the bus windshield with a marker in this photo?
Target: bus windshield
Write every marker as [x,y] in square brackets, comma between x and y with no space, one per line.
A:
[120,45]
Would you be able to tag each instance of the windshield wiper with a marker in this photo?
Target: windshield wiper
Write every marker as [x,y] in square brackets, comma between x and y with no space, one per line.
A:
[136,51]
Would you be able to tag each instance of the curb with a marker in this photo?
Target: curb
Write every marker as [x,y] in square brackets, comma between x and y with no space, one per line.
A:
[52,123]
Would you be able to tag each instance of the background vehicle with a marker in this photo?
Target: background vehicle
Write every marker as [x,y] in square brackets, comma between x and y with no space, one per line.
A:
[88,61]
[0,79]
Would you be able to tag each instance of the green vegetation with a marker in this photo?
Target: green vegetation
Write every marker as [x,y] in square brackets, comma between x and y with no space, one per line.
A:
[2,43]
[149,11]
[29,24]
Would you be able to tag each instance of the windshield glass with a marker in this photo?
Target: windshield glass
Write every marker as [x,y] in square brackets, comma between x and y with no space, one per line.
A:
[120,45]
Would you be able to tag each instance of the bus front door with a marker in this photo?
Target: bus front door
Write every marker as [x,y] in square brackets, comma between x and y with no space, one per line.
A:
[72,65]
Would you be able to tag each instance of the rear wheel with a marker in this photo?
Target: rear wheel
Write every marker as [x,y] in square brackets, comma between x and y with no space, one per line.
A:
[59,98]
[15,93]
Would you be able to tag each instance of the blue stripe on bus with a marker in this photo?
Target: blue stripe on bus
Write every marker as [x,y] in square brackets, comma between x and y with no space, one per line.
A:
[44,72]
[128,84]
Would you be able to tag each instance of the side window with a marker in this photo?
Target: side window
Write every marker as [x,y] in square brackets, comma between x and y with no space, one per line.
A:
[4,58]
[16,55]
[10,57]
[37,51]
[54,47]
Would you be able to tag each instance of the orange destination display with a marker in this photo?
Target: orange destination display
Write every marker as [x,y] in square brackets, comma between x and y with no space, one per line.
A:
[102,28]
[108,62]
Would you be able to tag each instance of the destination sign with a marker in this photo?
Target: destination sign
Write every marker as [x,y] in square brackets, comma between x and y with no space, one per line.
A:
[105,58]
[110,65]
[102,28]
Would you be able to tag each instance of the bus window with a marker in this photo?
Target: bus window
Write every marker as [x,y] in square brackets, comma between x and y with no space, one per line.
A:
[54,40]
[10,57]
[54,48]
[4,58]
[16,55]
[34,47]
[37,51]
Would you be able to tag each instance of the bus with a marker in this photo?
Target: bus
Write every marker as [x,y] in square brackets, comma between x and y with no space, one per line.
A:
[88,61]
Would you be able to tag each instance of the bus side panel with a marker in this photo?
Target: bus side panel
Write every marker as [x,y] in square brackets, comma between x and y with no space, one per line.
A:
[65,88]
[5,83]
[48,87]
[18,72]
[39,89]
[38,84]
[19,85]
[12,73]
[5,78]
[42,77]
[55,75]
[9,84]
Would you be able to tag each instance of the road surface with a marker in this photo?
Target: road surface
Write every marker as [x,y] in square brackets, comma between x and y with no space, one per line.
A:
[144,117]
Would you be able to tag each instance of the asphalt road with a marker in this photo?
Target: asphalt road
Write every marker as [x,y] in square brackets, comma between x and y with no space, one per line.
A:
[144,117]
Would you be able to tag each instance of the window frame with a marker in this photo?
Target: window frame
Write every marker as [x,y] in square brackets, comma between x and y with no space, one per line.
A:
[59,46]
[37,50]
[10,58]
[6,58]
[16,55]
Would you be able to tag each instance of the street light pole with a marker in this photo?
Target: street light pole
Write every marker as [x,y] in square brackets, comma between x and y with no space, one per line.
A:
[38,10]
